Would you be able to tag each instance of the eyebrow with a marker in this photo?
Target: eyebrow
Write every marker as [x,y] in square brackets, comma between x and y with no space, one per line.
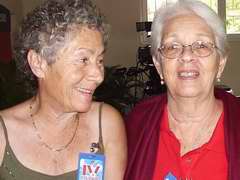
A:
[91,51]
[201,35]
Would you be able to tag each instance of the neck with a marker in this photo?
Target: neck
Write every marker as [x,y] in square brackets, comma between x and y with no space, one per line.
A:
[193,122]
[50,116]
[55,131]
[186,110]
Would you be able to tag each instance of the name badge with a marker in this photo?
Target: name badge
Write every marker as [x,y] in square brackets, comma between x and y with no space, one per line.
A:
[170,176]
[91,166]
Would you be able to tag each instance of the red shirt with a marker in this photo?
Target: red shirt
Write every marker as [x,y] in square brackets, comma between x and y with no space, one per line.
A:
[209,162]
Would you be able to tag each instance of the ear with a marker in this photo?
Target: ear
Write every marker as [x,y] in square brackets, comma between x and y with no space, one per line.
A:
[37,64]
[158,66]
[221,66]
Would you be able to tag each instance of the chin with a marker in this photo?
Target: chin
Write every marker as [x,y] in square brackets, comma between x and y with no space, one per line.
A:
[83,107]
[188,92]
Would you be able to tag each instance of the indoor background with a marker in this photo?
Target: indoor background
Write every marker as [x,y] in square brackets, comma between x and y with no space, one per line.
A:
[124,41]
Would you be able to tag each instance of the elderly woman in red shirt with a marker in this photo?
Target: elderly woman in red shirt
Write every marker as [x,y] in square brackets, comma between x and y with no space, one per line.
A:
[191,132]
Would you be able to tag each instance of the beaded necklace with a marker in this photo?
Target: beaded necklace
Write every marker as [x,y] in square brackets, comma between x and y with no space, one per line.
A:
[47,145]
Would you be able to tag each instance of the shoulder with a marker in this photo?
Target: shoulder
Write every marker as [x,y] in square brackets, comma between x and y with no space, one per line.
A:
[11,117]
[17,112]
[108,113]
[144,119]
[114,140]
[7,117]
[111,118]
[111,112]
[230,101]
[112,121]
[2,141]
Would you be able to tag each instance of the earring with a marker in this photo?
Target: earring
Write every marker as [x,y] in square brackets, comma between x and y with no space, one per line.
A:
[218,79]
[162,81]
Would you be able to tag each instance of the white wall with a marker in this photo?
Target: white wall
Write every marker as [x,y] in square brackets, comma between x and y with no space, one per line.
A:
[122,15]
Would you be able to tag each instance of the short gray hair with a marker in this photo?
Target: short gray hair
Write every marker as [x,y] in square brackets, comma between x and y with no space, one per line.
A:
[163,14]
[44,29]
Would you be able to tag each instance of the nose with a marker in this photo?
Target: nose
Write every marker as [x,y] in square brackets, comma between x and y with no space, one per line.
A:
[95,72]
[187,54]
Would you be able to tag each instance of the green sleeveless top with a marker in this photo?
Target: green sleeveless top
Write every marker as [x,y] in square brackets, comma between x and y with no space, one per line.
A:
[12,169]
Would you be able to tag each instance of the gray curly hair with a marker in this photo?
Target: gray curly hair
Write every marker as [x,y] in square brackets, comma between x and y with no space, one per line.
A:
[44,30]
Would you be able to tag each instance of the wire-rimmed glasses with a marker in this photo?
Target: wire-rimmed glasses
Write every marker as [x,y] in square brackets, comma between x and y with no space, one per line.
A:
[175,50]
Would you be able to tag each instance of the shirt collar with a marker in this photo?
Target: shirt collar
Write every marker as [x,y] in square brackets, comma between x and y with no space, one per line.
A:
[216,142]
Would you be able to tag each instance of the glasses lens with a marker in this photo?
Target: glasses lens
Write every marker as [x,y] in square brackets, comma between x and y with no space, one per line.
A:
[202,49]
[171,50]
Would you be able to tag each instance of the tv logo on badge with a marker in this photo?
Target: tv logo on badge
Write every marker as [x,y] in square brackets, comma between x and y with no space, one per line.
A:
[91,167]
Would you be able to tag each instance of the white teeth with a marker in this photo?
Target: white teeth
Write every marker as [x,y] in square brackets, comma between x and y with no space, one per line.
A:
[188,74]
[83,90]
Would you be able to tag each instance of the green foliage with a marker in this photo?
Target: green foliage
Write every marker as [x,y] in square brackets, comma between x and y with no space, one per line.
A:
[118,89]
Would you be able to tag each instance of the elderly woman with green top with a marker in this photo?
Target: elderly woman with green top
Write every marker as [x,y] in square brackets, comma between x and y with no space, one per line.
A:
[192,131]
[61,133]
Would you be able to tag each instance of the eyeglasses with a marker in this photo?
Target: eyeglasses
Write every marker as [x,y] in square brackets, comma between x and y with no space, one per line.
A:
[175,50]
